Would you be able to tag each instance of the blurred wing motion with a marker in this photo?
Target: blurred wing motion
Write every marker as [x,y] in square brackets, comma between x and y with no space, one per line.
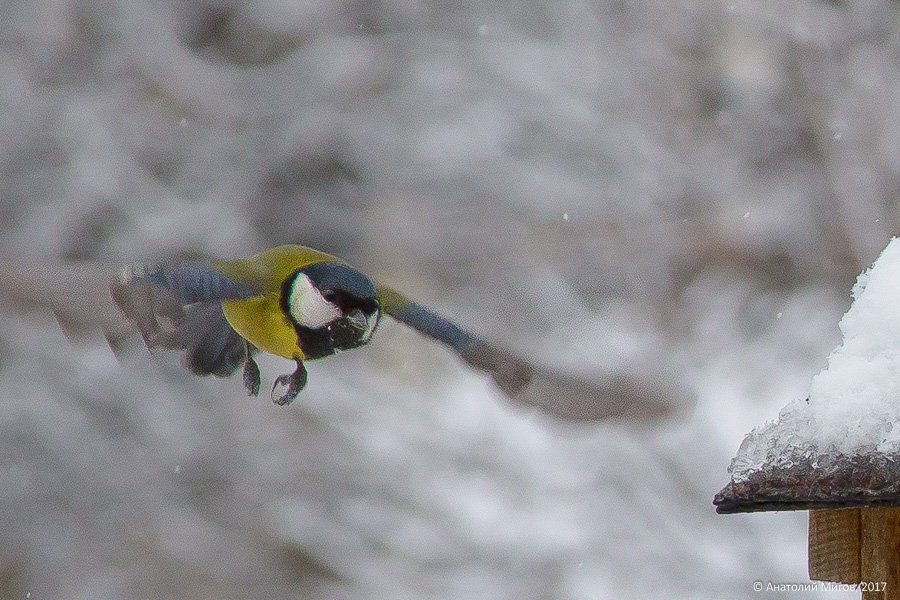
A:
[511,373]
[557,393]
[179,306]
[77,293]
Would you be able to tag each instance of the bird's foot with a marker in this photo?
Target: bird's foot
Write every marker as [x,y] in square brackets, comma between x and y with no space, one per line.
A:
[295,383]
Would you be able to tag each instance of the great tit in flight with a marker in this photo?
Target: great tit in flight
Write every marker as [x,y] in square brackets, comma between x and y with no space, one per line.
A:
[221,312]
[291,301]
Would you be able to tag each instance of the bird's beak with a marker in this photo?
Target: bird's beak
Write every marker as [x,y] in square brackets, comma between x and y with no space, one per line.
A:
[362,323]
[358,320]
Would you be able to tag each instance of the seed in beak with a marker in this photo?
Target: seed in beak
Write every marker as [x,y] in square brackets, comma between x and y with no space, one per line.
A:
[358,319]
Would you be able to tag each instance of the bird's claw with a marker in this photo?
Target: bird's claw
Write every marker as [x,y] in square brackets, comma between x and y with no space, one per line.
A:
[295,383]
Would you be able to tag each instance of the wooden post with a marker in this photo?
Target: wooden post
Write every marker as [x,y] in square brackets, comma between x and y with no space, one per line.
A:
[857,545]
[880,556]
[834,545]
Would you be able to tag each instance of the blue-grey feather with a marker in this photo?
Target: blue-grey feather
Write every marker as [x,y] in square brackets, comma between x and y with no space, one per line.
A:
[199,282]
[211,345]
[509,371]
[435,326]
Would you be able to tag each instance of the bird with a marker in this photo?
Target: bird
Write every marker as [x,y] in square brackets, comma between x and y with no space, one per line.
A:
[291,301]
[205,308]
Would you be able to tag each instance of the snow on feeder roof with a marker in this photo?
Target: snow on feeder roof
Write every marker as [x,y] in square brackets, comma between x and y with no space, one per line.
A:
[841,446]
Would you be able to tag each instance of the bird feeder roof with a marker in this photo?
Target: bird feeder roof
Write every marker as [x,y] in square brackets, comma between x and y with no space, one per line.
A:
[840,447]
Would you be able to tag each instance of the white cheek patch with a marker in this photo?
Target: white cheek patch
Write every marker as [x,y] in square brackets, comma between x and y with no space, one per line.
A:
[308,307]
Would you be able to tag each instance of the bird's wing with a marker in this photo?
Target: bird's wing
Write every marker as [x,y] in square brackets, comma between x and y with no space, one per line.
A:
[179,306]
[77,293]
[509,371]
[560,394]
[192,282]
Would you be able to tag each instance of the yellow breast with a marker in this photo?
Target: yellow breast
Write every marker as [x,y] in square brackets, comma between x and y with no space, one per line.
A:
[261,322]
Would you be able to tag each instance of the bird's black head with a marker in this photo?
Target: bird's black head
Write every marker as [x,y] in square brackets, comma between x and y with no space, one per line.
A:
[333,307]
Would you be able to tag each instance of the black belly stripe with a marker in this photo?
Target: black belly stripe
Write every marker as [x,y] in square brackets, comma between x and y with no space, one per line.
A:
[315,343]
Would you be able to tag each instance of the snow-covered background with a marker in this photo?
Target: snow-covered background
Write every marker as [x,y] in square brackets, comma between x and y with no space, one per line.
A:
[677,188]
